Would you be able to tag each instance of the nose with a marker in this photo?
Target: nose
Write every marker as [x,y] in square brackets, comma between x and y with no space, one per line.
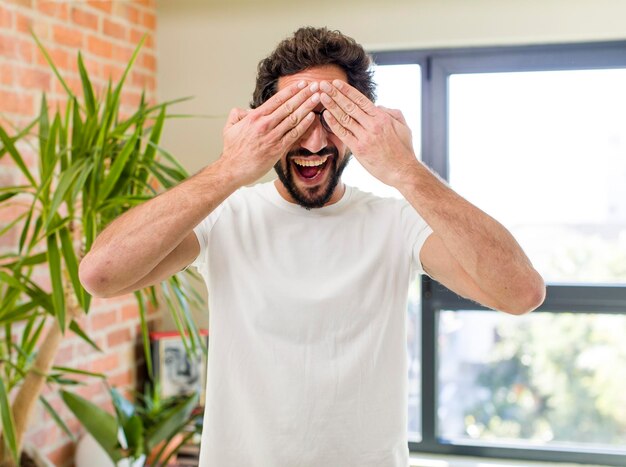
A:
[315,138]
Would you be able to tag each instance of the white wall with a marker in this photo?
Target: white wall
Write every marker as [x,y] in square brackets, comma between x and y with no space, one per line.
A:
[210,49]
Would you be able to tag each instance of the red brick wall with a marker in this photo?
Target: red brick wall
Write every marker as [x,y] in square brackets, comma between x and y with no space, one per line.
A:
[106,33]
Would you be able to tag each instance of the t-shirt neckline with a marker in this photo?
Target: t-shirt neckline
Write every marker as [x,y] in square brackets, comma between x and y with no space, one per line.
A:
[270,192]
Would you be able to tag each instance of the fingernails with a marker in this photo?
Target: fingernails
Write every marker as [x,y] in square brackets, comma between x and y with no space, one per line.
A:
[314,87]
[302,84]
[315,97]
[325,86]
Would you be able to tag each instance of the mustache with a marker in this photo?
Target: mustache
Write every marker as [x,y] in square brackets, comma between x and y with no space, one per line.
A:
[301,152]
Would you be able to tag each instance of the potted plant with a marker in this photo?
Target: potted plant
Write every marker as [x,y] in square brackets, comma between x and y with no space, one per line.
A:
[93,164]
[147,432]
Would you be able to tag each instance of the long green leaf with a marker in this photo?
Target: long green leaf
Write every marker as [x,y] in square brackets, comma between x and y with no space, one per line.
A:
[80,181]
[168,426]
[77,133]
[8,195]
[57,419]
[12,224]
[44,126]
[49,160]
[118,89]
[90,101]
[20,134]
[29,343]
[117,167]
[52,65]
[54,261]
[65,183]
[71,263]
[145,333]
[74,327]
[8,424]
[15,155]
[65,369]
[99,423]
[155,136]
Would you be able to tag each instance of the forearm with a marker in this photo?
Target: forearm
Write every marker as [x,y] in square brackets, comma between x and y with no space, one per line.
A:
[136,242]
[484,248]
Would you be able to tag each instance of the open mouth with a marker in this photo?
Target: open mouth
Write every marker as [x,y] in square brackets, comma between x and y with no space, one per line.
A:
[310,168]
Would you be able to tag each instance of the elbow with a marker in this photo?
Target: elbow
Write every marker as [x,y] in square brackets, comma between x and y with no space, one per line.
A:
[530,295]
[93,280]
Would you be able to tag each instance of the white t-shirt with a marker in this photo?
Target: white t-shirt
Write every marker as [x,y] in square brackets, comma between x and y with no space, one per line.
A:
[307,348]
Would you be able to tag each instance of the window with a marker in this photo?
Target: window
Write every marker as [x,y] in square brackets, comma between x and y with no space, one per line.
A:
[535,136]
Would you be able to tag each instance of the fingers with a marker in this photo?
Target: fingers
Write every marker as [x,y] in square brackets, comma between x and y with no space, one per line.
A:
[292,120]
[281,97]
[361,101]
[396,114]
[235,116]
[350,109]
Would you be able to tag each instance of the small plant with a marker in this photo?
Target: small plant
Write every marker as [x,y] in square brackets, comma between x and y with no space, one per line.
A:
[141,432]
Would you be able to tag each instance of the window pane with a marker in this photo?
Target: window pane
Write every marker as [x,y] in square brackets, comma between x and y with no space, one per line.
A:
[553,379]
[414,350]
[545,153]
[398,87]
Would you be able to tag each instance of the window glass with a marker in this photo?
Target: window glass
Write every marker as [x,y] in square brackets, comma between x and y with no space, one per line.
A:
[399,87]
[543,378]
[545,153]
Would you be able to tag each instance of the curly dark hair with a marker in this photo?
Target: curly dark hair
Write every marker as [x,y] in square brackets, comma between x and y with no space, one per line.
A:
[311,47]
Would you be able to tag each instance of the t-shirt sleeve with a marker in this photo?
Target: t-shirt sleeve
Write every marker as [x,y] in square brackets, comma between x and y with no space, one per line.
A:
[416,231]
[202,231]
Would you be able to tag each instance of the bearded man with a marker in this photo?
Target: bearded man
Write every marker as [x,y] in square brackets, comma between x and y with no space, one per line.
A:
[307,277]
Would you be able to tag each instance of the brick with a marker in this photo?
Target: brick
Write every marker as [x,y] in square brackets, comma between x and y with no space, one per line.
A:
[13,102]
[23,23]
[6,17]
[125,378]
[121,336]
[60,58]
[104,5]
[144,81]
[113,29]
[105,364]
[132,14]
[148,61]
[30,78]
[26,51]
[54,8]
[112,71]
[64,355]
[149,20]
[99,47]
[6,74]
[122,54]
[103,320]
[130,313]
[8,46]
[84,18]
[24,3]
[67,36]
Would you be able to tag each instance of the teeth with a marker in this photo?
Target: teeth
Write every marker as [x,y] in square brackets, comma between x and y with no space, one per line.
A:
[306,162]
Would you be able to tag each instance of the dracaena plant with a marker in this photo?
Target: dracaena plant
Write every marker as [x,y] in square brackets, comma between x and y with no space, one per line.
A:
[143,431]
[93,164]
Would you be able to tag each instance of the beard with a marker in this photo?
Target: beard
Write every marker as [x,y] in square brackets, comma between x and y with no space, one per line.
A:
[317,196]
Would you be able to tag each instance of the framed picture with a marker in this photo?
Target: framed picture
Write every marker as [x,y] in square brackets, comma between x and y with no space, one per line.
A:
[176,372]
